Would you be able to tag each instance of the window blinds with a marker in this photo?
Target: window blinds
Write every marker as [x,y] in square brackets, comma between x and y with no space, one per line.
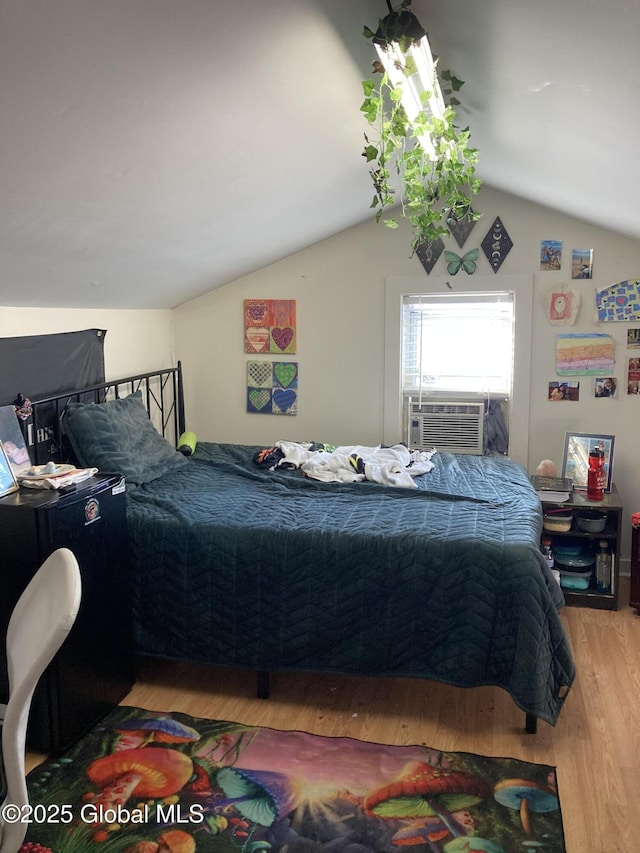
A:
[458,343]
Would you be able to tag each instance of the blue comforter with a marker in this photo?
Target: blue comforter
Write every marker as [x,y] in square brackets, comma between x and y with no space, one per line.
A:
[240,566]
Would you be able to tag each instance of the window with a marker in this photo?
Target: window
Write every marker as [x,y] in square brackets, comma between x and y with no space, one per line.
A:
[460,343]
[398,287]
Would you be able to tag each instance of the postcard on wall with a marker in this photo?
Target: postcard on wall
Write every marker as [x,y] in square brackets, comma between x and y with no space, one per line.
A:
[564,391]
[582,263]
[551,254]
[585,354]
[270,325]
[619,302]
[606,386]
[14,444]
[633,338]
[633,376]
[272,387]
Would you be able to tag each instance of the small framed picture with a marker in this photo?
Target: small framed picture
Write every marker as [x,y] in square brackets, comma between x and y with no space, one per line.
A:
[575,462]
[8,482]
[14,444]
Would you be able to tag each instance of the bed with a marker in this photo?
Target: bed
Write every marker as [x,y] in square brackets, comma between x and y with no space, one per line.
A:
[238,565]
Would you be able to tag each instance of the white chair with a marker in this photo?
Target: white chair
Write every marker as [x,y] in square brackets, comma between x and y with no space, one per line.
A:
[41,619]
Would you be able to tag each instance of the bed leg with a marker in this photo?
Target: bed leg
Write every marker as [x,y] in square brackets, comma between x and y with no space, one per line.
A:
[531,724]
[262,688]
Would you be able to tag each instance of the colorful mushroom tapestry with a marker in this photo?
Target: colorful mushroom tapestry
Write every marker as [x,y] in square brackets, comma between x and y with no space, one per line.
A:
[148,782]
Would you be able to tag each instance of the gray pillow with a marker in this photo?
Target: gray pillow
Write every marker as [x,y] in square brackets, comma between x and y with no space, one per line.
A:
[117,436]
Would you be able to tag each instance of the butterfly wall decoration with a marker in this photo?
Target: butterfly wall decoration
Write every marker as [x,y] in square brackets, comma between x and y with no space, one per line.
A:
[467,262]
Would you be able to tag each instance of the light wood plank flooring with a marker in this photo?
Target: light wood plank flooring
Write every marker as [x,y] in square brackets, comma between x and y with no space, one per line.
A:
[595,745]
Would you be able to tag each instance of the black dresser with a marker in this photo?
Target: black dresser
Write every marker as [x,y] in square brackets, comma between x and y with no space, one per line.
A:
[93,670]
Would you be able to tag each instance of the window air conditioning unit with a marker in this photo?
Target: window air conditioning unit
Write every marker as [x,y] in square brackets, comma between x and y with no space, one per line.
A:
[449,427]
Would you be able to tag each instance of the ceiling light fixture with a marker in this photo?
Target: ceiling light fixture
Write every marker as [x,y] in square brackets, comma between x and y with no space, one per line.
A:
[403,47]
[420,163]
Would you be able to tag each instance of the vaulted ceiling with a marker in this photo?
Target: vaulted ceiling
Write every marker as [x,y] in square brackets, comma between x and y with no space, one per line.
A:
[152,150]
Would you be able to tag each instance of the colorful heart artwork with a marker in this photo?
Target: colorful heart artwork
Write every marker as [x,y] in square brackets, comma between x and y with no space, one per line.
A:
[260,399]
[257,340]
[259,374]
[270,325]
[282,338]
[285,372]
[284,401]
[272,387]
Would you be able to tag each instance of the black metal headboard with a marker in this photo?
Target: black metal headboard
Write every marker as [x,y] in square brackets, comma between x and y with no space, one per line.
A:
[162,395]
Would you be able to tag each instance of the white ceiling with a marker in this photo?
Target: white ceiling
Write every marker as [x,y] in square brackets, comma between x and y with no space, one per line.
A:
[152,150]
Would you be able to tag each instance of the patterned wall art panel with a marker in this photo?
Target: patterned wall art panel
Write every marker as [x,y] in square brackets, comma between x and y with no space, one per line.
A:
[272,387]
[497,244]
[428,253]
[585,354]
[619,302]
[270,326]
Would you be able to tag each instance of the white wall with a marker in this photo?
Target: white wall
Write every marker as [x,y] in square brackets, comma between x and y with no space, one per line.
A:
[339,286]
[136,341]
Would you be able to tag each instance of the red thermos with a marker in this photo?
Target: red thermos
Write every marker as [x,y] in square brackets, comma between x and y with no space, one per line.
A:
[596,475]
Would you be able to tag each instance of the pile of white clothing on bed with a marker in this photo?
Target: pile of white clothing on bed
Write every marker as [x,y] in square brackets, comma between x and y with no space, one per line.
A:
[391,466]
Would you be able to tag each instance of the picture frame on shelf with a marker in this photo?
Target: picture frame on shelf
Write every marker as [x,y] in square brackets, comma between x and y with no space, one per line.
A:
[8,482]
[15,447]
[575,460]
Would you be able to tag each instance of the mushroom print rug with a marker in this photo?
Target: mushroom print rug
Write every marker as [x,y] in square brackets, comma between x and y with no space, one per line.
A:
[145,782]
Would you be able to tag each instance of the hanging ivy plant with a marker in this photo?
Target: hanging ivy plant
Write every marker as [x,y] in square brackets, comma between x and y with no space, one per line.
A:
[433,187]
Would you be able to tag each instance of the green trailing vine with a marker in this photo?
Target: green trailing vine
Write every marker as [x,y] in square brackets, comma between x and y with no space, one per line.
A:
[432,189]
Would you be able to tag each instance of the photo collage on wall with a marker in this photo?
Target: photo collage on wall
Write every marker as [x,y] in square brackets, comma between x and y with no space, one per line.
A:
[270,329]
[589,354]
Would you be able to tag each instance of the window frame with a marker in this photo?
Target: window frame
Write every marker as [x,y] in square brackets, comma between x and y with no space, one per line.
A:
[399,286]
[451,307]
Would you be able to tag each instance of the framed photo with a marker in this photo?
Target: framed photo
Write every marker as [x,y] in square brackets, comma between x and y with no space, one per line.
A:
[575,462]
[11,436]
[8,482]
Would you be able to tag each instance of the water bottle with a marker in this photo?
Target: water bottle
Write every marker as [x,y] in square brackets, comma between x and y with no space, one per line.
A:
[603,568]
[547,553]
[596,475]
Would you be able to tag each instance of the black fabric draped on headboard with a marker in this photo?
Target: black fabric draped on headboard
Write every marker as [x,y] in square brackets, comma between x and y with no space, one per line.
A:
[39,366]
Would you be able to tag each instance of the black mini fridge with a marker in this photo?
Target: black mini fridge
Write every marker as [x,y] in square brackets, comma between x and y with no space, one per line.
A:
[93,670]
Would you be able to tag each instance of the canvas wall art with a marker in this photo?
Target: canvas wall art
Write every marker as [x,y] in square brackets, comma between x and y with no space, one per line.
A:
[270,326]
[272,387]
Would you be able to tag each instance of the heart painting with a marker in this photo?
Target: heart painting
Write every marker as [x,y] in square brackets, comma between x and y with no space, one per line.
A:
[282,338]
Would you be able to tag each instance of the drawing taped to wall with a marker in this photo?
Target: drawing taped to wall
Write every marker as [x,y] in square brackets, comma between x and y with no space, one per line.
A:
[562,306]
[633,338]
[619,302]
[585,354]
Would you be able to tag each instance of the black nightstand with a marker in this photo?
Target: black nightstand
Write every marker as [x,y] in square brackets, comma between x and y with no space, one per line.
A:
[612,505]
[93,670]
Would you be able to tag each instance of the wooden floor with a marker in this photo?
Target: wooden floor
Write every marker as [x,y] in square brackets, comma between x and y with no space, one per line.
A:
[595,745]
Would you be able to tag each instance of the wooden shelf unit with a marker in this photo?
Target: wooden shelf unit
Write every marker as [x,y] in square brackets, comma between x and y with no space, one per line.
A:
[612,533]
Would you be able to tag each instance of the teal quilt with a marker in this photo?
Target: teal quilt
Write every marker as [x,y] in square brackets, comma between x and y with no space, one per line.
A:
[269,570]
